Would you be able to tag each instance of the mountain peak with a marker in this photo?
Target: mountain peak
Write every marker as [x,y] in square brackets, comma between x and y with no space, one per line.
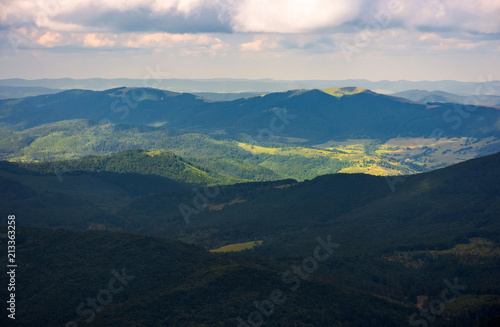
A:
[341,91]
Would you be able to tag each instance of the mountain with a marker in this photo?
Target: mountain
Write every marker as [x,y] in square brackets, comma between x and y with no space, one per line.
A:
[401,238]
[440,96]
[10,92]
[226,96]
[227,85]
[312,115]
[341,91]
[298,134]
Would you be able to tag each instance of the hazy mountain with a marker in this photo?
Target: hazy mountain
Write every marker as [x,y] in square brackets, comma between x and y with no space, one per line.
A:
[248,85]
[440,96]
[226,96]
[11,92]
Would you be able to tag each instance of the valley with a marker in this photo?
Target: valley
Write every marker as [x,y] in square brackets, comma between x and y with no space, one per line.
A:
[244,148]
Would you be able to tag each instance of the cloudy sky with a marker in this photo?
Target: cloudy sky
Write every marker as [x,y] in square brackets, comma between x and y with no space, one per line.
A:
[279,39]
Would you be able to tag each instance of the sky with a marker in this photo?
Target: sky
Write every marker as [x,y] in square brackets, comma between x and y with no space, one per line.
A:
[279,39]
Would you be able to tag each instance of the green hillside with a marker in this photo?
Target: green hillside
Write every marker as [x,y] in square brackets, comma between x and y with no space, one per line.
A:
[237,159]
[159,163]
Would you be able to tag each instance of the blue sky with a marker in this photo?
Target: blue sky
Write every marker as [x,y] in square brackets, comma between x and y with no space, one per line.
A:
[280,39]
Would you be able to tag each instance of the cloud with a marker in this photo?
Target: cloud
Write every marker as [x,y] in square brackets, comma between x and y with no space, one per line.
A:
[429,36]
[186,43]
[174,16]
[252,46]
[205,19]
[253,26]
[255,16]
[94,41]
[293,16]
[167,40]
[50,39]
[436,42]
[453,15]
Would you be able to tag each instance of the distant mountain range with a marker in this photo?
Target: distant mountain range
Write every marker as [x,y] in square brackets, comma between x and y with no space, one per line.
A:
[11,92]
[315,116]
[259,85]
[440,96]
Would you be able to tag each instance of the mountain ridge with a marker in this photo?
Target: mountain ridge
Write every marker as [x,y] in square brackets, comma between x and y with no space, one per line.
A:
[322,117]
[252,85]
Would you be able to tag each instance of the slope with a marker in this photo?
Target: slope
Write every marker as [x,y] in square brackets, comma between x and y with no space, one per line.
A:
[116,279]
[400,237]
[159,163]
[397,244]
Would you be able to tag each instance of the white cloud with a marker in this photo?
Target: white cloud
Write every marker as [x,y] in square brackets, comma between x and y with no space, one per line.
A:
[293,16]
[166,40]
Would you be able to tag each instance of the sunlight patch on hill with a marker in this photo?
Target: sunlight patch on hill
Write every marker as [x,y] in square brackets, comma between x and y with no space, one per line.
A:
[472,253]
[237,247]
[255,149]
[340,91]
[154,153]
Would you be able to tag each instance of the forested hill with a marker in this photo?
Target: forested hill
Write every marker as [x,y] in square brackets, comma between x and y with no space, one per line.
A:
[400,238]
[157,282]
[159,163]
[313,115]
